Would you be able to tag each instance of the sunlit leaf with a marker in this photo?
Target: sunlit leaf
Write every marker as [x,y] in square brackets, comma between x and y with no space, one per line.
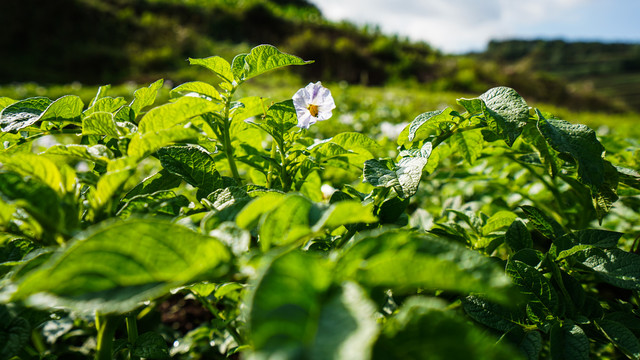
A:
[113,267]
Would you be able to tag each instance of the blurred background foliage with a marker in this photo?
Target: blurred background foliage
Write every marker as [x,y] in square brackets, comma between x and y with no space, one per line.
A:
[95,42]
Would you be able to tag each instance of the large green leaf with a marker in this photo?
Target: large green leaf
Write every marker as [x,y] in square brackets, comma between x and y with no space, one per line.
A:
[66,108]
[14,333]
[142,145]
[468,144]
[281,117]
[197,87]
[293,313]
[533,284]
[144,97]
[405,261]
[262,58]
[425,124]
[404,178]
[506,112]
[286,223]
[97,153]
[105,104]
[489,314]
[168,115]
[581,143]
[107,188]
[100,123]
[615,266]
[194,165]
[162,180]
[216,64]
[518,237]
[344,213]
[113,267]
[568,341]
[38,199]
[38,166]
[621,337]
[423,328]
[23,113]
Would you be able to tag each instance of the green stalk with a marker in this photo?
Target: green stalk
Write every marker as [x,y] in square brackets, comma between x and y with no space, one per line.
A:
[270,174]
[132,333]
[226,137]
[106,326]
[284,176]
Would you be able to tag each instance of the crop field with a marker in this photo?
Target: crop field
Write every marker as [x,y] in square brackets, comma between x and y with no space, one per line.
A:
[250,215]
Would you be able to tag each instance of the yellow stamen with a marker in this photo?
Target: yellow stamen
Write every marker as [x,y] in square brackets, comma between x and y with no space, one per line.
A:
[313,109]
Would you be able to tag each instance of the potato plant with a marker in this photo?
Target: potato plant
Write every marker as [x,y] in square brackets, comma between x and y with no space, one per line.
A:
[478,237]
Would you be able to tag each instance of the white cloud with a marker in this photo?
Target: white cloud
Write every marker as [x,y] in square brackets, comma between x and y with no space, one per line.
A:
[451,25]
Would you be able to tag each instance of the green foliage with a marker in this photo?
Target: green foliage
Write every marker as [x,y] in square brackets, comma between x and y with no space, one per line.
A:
[477,237]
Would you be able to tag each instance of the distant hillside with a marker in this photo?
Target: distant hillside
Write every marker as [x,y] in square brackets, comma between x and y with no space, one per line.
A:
[112,41]
[611,69]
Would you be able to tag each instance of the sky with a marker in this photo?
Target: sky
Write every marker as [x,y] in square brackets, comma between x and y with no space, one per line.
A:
[459,26]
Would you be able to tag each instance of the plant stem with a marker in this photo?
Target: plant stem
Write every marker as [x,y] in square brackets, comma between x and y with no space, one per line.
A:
[132,333]
[226,136]
[273,156]
[106,326]
[284,176]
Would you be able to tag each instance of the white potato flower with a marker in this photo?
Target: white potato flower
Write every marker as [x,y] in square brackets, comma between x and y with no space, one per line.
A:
[313,103]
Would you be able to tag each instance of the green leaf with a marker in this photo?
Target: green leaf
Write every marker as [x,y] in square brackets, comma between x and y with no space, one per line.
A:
[614,266]
[490,314]
[250,215]
[404,179]
[38,199]
[151,345]
[344,213]
[118,172]
[145,96]
[5,101]
[281,117]
[533,284]
[599,238]
[262,58]
[468,144]
[102,93]
[216,64]
[162,180]
[145,144]
[100,123]
[581,143]
[518,237]
[497,221]
[14,333]
[198,87]
[23,113]
[423,328]
[543,223]
[506,112]
[359,143]
[194,165]
[568,341]
[473,106]
[66,108]
[292,313]
[96,153]
[168,115]
[425,124]
[113,267]
[165,203]
[38,166]
[404,261]
[286,223]
[621,337]
[105,104]
[531,345]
